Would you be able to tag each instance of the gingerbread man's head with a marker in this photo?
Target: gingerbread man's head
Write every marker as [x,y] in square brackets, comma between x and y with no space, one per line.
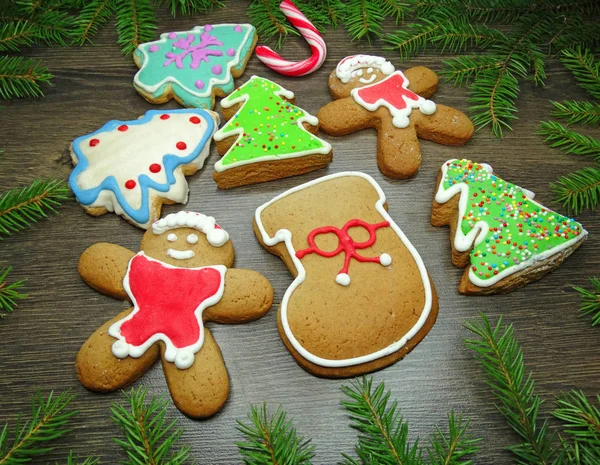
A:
[358,71]
[188,240]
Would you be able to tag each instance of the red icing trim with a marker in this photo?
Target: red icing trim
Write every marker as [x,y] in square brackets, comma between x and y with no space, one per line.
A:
[390,89]
[346,243]
[167,299]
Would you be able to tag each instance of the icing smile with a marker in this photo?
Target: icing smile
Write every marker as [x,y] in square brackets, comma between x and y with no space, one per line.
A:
[368,81]
[180,254]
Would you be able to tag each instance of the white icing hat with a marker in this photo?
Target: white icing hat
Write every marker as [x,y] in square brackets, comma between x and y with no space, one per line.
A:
[352,63]
[216,236]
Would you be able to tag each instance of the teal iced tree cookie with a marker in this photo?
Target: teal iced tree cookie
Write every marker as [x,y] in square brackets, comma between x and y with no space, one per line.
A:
[194,66]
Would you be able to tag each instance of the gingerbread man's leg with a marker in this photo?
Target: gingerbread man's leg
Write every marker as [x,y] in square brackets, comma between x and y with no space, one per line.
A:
[398,149]
[201,390]
[344,116]
[446,126]
[248,295]
[99,370]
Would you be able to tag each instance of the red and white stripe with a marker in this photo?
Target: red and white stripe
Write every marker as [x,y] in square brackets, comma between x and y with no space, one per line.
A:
[307,29]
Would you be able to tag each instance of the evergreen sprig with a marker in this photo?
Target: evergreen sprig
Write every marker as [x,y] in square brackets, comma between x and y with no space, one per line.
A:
[501,359]
[582,112]
[136,24]
[364,19]
[93,15]
[455,447]
[272,440]
[149,437]
[187,7]
[28,439]
[585,68]
[21,207]
[71,460]
[9,293]
[569,141]
[21,77]
[590,301]
[579,190]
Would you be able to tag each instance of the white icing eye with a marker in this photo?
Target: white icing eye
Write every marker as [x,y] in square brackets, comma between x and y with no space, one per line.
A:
[359,72]
[172,237]
[369,70]
[192,239]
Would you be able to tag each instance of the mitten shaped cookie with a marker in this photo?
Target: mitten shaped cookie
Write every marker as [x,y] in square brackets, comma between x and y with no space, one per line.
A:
[504,237]
[361,298]
[370,93]
[179,280]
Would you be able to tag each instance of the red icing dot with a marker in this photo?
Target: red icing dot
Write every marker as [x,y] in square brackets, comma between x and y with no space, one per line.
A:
[195,120]
[123,128]
[94,142]
[130,184]
[181,145]
[165,116]
[155,168]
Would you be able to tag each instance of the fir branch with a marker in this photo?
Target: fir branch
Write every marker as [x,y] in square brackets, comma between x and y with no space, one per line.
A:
[462,69]
[16,34]
[91,17]
[149,439]
[75,461]
[30,438]
[501,358]
[569,141]
[188,7]
[582,424]
[8,292]
[583,112]
[579,190]
[135,24]
[364,18]
[19,208]
[21,77]
[272,440]
[590,301]
[51,21]
[452,449]
[585,68]
[382,431]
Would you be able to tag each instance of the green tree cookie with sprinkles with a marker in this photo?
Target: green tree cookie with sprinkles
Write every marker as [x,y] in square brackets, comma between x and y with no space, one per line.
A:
[498,230]
[266,136]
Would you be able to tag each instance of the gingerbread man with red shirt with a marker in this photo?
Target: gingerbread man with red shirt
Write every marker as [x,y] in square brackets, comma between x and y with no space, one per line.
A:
[179,280]
[370,93]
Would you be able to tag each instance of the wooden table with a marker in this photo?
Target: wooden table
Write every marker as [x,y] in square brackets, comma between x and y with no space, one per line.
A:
[93,84]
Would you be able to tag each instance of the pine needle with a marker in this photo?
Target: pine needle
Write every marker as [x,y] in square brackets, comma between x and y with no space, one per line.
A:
[590,301]
[149,438]
[19,208]
[582,423]
[90,19]
[49,418]
[16,34]
[456,446]
[501,359]
[381,430]
[364,18]
[188,7]
[135,24]
[569,141]
[585,68]
[75,461]
[579,190]
[9,293]
[272,440]
[21,77]
[583,112]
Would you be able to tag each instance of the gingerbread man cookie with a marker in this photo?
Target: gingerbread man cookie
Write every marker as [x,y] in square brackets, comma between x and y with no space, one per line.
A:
[370,93]
[361,298]
[179,280]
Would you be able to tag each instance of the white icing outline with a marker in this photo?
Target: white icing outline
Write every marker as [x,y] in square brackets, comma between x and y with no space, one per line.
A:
[344,70]
[182,356]
[463,242]
[399,115]
[220,134]
[217,237]
[212,81]
[285,235]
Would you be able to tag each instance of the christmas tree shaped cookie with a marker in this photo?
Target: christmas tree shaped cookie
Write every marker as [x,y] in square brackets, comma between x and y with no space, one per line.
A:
[506,238]
[266,136]
[194,66]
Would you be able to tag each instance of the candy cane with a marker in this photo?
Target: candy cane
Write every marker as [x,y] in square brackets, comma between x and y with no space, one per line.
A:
[289,68]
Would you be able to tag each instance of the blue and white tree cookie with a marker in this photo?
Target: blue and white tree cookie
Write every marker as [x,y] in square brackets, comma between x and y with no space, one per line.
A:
[194,66]
[133,167]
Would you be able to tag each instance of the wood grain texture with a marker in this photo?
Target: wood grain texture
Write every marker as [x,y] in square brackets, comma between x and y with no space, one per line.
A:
[38,343]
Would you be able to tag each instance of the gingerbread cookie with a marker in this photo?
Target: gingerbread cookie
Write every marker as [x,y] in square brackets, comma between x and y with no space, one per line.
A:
[194,66]
[133,167]
[506,238]
[361,298]
[266,136]
[179,280]
[370,93]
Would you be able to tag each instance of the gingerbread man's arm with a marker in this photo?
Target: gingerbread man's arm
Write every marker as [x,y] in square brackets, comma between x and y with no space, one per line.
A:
[344,116]
[103,266]
[422,81]
[248,295]
[446,126]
